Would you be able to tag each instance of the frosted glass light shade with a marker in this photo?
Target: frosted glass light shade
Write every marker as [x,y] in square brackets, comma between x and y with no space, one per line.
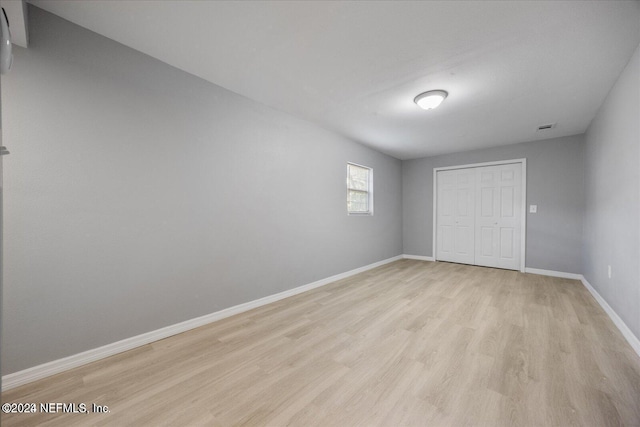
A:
[430,100]
[6,58]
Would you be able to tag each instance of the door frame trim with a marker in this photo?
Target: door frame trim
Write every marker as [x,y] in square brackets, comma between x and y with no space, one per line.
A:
[523,214]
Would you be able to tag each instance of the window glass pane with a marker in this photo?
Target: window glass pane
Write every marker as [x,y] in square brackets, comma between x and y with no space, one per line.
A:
[358,201]
[358,178]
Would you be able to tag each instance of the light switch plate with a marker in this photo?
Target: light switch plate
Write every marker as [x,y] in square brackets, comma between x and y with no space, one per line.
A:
[533,208]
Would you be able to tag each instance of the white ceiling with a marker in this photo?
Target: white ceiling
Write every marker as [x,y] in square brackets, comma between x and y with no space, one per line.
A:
[355,67]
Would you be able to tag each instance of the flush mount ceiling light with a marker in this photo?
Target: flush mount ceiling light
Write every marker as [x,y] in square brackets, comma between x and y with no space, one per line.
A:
[430,100]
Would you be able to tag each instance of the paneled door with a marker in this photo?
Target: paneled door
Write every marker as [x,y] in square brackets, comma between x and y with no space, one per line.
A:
[456,216]
[478,215]
[499,204]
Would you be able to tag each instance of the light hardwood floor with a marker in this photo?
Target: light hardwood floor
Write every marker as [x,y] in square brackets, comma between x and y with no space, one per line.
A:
[410,343]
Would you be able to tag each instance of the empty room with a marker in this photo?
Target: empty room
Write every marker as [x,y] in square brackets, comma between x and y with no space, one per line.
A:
[320,213]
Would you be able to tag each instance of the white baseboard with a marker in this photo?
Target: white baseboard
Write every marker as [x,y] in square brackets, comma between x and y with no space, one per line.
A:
[552,273]
[418,257]
[626,332]
[57,366]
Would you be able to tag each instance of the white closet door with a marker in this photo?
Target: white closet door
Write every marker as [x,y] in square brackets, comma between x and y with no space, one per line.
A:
[487,243]
[510,223]
[445,215]
[478,215]
[498,207]
[456,216]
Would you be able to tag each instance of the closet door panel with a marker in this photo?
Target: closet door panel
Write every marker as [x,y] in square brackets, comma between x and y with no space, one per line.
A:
[509,222]
[464,218]
[445,222]
[486,243]
[455,216]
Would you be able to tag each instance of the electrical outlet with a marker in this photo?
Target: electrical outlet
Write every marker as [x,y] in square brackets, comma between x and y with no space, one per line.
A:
[609,271]
[533,208]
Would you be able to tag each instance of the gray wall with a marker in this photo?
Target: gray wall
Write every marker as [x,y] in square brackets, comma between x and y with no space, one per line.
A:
[138,196]
[612,214]
[555,182]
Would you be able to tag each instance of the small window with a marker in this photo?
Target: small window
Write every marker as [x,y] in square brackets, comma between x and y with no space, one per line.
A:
[359,190]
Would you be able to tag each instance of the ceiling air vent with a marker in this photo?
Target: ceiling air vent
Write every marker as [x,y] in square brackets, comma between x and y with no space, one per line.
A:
[546,127]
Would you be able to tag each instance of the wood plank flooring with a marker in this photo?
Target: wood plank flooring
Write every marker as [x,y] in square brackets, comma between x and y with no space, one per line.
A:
[411,343]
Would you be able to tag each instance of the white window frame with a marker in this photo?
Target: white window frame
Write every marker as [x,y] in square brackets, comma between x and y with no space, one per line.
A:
[369,191]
